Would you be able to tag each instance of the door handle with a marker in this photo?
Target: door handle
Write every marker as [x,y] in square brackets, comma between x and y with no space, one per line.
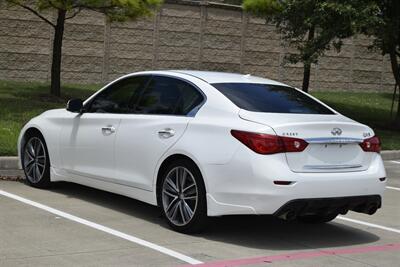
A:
[166,133]
[108,130]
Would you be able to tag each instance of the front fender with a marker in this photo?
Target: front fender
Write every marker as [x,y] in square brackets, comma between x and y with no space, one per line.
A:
[48,124]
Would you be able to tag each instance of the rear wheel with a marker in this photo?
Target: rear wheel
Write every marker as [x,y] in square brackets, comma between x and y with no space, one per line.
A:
[317,218]
[36,162]
[183,197]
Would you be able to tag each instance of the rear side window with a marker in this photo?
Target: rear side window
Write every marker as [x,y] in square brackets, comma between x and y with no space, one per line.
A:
[168,96]
[270,98]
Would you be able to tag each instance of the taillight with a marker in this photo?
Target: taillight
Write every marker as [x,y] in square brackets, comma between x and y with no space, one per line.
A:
[269,144]
[372,144]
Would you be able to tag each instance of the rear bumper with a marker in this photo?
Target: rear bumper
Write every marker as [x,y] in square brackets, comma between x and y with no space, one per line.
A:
[300,207]
[245,185]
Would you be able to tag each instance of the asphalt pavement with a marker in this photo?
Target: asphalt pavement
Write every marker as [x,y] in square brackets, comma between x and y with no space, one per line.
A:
[73,225]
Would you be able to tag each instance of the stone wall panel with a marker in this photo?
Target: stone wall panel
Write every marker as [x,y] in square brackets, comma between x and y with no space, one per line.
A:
[82,64]
[23,62]
[24,28]
[131,51]
[340,63]
[179,36]
[261,58]
[127,65]
[179,24]
[362,76]
[172,53]
[180,39]
[131,36]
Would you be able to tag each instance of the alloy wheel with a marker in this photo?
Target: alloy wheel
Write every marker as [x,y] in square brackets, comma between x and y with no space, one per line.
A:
[180,196]
[34,160]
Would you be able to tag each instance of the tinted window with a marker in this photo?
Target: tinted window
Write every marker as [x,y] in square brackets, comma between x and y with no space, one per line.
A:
[168,96]
[119,97]
[270,98]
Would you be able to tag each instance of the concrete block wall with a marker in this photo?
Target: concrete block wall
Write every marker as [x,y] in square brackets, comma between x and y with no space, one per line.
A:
[181,35]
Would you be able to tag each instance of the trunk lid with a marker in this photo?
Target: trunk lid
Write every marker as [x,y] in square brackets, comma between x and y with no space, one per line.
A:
[333,140]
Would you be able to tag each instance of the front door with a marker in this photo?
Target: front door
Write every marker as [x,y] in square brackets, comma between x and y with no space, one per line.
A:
[87,140]
[88,144]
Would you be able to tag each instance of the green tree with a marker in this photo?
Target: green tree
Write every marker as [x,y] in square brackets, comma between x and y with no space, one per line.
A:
[115,10]
[385,28]
[313,26]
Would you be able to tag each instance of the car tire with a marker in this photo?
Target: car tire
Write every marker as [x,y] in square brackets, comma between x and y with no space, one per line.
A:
[36,161]
[317,218]
[182,197]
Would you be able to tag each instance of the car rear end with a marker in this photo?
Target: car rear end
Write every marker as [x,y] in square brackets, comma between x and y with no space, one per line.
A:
[299,158]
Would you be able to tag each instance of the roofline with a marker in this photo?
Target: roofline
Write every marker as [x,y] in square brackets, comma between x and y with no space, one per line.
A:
[189,74]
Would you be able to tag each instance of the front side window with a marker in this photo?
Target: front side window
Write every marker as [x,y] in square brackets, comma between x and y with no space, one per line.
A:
[168,96]
[270,98]
[119,97]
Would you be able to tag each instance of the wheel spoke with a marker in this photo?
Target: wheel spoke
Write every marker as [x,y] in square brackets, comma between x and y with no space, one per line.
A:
[37,171]
[169,194]
[30,150]
[171,204]
[40,165]
[189,198]
[175,210]
[171,185]
[181,211]
[27,164]
[183,179]
[34,172]
[187,188]
[30,168]
[177,179]
[191,192]
[37,147]
[188,209]
[28,154]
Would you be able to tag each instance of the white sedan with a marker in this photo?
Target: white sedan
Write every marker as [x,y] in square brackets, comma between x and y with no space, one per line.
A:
[200,144]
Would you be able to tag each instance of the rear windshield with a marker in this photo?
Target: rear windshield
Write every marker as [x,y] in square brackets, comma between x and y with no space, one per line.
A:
[270,98]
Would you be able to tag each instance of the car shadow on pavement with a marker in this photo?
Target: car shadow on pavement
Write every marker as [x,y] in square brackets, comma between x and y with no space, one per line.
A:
[260,232]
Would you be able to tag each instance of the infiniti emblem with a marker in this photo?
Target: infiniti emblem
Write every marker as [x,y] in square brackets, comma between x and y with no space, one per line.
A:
[336,131]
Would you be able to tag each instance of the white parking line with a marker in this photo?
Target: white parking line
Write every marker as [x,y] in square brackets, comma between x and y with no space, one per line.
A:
[395,161]
[393,188]
[369,224]
[105,229]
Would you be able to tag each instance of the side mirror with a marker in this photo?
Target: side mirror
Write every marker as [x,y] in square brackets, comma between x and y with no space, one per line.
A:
[75,105]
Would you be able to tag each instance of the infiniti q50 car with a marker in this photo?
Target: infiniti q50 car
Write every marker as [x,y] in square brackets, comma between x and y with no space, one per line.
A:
[201,144]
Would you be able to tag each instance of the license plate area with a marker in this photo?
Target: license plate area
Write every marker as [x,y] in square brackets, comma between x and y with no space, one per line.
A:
[328,157]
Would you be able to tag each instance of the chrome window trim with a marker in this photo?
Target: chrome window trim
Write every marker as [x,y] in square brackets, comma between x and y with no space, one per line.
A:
[191,113]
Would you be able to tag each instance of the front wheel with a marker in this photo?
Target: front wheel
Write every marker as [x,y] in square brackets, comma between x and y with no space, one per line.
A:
[183,197]
[36,162]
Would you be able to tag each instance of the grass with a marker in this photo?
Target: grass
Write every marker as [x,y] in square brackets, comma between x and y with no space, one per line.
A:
[20,101]
[372,109]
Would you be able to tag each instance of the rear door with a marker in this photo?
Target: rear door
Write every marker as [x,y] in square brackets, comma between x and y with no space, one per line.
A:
[160,118]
